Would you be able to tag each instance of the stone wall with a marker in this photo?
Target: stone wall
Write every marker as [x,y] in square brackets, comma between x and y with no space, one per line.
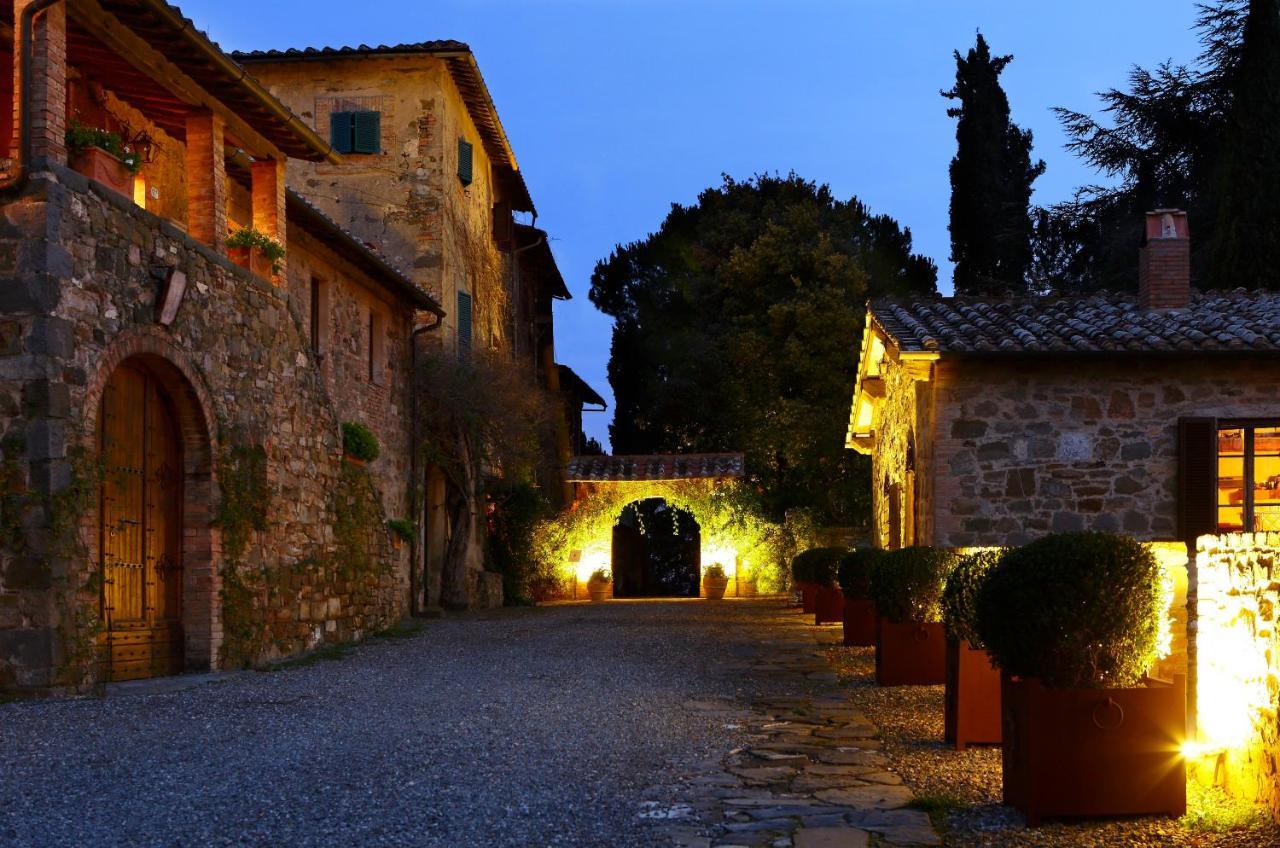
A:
[1029,447]
[1237,645]
[902,463]
[80,273]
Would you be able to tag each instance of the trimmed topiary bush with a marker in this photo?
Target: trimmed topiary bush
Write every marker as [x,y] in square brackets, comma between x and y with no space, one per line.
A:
[358,442]
[960,595]
[1076,610]
[855,571]
[906,584]
[817,565]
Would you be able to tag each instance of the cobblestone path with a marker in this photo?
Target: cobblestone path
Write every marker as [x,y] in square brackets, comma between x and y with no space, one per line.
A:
[685,723]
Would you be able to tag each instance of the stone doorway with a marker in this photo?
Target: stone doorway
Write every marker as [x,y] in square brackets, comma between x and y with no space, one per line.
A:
[657,551]
[140,527]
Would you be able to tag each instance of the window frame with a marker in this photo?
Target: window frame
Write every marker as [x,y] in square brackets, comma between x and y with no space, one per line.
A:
[353,119]
[1248,456]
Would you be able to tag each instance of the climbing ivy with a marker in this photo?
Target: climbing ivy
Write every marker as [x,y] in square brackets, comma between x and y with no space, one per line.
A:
[242,474]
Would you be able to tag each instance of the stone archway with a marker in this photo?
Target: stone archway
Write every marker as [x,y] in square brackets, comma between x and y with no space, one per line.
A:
[170,491]
[656,551]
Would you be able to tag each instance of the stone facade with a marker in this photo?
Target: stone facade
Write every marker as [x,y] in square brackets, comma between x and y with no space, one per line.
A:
[1238,650]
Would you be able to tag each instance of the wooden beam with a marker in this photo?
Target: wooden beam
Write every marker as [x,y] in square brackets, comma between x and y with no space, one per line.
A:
[128,46]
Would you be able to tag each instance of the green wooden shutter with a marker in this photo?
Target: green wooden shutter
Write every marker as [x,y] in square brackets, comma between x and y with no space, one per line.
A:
[340,131]
[1197,478]
[464,323]
[367,134]
[464,161]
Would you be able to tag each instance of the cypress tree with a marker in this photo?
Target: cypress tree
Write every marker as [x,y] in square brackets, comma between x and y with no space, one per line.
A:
[1246,241]
[991,177]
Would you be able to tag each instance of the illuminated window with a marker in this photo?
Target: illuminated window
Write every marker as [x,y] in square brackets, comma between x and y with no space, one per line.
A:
[1248,488]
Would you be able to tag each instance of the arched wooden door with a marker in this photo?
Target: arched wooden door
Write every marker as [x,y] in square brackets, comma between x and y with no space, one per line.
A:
[141,528]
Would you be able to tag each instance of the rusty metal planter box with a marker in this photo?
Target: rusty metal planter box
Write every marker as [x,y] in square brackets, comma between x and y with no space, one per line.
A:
[1094,752]
[808,596]
[828,606]
[859,622]
[910,654]
[972,698]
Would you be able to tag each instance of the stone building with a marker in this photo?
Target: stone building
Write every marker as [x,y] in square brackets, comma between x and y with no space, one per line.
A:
[992,422]
[175,493]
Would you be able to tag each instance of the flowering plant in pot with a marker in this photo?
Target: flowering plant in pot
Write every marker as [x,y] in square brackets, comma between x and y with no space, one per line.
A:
[257,251]
[906,587]
[855,584]
[101,155]
[812,569]
[359,445]
[1074,621]
[715,581]
[973,682]
[598,585]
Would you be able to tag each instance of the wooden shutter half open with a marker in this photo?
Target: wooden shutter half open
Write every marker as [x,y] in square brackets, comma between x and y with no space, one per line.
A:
[464,323]
[340,130]
[1197,478]
[464,161]
[367,134]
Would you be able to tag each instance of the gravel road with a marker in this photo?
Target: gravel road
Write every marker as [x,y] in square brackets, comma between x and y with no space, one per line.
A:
[542,727]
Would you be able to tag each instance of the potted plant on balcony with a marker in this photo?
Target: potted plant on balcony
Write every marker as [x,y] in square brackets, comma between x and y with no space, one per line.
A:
[359,445]
[101,155]
[855,585]
[598,585]
[972,701]
[715,582]
[402,530]
[1074,621]
[255,250]
[906,586]
[806,570]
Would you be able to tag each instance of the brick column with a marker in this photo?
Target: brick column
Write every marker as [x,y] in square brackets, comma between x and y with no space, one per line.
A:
[268,202]
[48,118]
[206,180]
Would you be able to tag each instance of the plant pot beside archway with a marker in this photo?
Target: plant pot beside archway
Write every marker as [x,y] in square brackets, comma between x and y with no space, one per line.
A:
[972,702]
[906,586]
[859,613]
[1086,733]
[714,582]
[599,586]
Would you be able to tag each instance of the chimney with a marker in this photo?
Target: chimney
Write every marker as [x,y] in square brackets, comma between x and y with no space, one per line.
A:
[1164,262]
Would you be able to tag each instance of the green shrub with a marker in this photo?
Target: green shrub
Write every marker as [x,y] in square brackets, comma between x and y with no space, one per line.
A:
[79,137]
[404,528]
[959,597]
[716,571]
[906,584]
[358,442]
[855,571]
[1077,610]
[817,565]
[600,575]
[256,240]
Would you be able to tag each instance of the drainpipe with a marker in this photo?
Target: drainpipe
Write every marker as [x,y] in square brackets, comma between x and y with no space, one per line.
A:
[26,36]
[416,564]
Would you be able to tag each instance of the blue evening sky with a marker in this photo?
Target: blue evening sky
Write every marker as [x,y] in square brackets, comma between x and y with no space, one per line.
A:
[618,108]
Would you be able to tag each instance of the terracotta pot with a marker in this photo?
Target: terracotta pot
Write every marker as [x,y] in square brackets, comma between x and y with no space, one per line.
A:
[746,587]
[859,622]
[1094,752]
[359,463]
[598,590]
[973,696]
[808,597]
[910,654]
[252,260]
[828,607]
[713,589]
[99,165]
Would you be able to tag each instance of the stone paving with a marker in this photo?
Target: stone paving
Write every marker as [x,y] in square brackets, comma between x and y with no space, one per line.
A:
[810,774]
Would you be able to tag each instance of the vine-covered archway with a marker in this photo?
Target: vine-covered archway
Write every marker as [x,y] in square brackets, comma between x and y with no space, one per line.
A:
[656,551]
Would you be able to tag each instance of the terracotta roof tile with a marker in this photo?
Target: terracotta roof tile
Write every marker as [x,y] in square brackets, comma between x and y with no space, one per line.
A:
[692,466]
[1214,322]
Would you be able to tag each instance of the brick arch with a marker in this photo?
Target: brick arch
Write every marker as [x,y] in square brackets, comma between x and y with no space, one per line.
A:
[173,369]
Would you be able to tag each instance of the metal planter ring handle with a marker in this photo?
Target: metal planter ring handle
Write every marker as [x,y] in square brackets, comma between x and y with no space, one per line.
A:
[920,634]
[1108,709]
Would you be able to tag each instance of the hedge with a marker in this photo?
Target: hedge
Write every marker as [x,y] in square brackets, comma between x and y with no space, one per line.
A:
[906,584]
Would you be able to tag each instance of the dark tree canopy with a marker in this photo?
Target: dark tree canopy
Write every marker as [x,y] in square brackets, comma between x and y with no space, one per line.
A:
[991,177]
[1246,242]
[737,327]
[1158,144]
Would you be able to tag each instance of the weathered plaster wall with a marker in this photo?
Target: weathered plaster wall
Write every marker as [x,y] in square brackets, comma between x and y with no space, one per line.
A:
[407,200]
[1238,659]
[1023,449]
[80,271]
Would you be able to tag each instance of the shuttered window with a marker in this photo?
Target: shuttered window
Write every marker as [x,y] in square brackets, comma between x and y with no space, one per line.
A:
[1197,478]
[464,324]
[464,161]
[356,132]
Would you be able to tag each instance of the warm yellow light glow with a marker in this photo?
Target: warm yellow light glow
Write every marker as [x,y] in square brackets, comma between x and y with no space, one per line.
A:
[722,555]
[140,190]
[593,559]
[1232,685]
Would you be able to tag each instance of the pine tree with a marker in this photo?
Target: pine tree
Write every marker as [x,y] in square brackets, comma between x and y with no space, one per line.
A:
[1246,241]
[991,177]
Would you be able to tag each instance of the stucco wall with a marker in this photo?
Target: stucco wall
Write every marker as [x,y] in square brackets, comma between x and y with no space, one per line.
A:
[80,273]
